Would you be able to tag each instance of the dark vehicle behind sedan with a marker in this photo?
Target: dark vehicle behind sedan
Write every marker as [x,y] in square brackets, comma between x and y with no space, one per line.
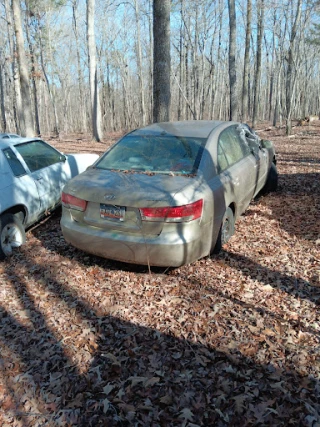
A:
[168,194]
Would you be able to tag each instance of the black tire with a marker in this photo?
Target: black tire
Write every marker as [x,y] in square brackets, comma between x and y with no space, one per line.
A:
[226,230]
[272,180]
[12,234]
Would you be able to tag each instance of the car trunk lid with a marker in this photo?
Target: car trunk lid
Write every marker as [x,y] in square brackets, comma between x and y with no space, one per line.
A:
[115,198]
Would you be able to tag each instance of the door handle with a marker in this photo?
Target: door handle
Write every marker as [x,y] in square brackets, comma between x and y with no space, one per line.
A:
[235,182]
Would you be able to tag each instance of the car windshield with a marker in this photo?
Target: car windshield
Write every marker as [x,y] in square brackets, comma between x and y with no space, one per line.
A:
[166,154]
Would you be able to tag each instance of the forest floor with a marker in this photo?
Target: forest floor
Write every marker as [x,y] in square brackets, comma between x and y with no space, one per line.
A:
[230,340]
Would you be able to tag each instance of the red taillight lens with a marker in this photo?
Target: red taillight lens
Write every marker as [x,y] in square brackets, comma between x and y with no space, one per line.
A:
[173,213]
[73,202]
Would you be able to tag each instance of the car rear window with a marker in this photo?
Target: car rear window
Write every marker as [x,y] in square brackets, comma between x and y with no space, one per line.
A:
[154,153]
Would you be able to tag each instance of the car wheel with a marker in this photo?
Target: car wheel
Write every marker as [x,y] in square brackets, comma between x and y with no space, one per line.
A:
[226,230]
[272,180]
[12,234]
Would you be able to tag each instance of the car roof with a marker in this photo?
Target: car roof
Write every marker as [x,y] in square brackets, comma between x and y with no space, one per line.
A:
[186,128]
[7,142]
[9,135]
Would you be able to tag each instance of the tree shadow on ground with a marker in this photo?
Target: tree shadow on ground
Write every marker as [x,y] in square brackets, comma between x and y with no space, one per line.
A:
[52,240]
[295,205]
[287,283]
[132,374]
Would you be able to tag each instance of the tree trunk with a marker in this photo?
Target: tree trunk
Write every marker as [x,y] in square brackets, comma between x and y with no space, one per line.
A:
[290,70]
[245,85]
[24,75]
[16,92]
[33,80]
[232,61]
[139,63]
[161,60]
[150,67]
[52,98]
[3,110]
[93,73]
[257,75]
[80,77]
[181,103]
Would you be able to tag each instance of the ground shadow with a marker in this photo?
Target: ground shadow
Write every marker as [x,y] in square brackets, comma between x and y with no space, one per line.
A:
[293,285]
[136,375]
[295,205]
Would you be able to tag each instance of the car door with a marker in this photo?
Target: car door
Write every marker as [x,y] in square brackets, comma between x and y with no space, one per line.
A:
[262,163]
[48,168]
[237,167]
[17,186]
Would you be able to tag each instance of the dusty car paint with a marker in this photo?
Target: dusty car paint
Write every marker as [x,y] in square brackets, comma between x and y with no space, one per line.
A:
[111,222]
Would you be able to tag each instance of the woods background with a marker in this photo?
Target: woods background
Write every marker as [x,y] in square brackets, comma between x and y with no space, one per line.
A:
[248,60]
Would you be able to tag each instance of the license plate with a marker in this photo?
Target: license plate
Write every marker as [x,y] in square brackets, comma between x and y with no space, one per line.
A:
[115,213]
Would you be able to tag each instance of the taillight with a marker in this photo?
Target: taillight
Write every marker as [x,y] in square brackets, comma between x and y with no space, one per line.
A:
[183,213]
[73,202]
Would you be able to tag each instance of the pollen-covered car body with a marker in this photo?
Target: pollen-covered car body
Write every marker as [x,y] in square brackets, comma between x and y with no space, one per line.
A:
[32,175]
[169,193]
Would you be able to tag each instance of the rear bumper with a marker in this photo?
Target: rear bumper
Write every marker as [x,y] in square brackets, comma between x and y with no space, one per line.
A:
[189,242]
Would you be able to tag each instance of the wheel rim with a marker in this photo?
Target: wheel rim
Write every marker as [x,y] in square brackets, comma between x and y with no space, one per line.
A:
[226,232]
[11,237]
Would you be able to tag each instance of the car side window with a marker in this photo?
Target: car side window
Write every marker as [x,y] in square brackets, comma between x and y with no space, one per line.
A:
[222,159]
[14,162]
[229,149]
[245,146]
[38,155]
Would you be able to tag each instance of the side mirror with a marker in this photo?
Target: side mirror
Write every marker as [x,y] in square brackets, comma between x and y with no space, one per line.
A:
[254,146]
[265,143]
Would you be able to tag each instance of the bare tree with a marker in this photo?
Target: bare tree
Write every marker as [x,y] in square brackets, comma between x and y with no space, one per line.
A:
[79,70]
[245,83]
[232,61]
[3,110]
[33,78]
[26,112]
[161,60]
[93,73]
[134,89]
[16,92]
[139,63]
[257,74]
[50,92]
[290,75]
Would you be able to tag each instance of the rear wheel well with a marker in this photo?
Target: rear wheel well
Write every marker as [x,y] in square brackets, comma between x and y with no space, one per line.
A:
[232,206]
[226,229]
[19,211]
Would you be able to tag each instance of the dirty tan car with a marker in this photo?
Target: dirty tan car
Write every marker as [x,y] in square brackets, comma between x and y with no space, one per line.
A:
[169,193]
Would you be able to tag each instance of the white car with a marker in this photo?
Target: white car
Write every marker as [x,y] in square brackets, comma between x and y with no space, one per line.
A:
[9,136]
[32,175]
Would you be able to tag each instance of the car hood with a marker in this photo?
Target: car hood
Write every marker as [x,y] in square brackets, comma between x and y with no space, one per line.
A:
[137,189]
